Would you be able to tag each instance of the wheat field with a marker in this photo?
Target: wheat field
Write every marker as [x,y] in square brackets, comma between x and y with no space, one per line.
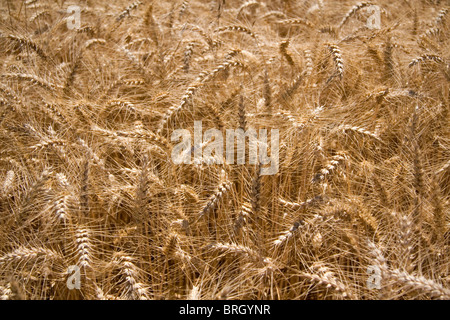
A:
[359,206]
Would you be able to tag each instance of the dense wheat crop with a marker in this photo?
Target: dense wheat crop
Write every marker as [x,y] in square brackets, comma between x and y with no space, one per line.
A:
[358,208]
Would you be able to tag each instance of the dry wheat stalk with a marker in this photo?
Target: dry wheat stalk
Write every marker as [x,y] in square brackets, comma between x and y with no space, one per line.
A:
[352,12]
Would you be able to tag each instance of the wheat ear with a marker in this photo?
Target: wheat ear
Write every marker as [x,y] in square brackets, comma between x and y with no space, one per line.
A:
[426,57]
[352,12]
[135,289]
[23,254]
[337,58]
[28,43]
